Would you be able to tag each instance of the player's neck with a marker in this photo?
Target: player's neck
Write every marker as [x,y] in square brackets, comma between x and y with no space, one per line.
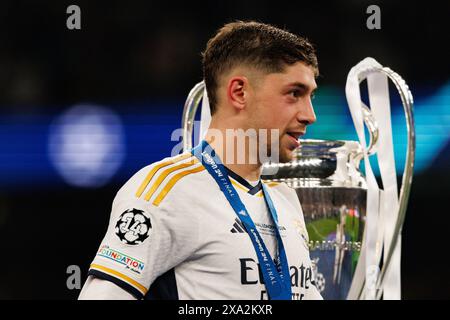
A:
[234,157]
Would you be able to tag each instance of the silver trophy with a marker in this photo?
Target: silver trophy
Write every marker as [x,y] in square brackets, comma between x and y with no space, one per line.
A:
[333,191]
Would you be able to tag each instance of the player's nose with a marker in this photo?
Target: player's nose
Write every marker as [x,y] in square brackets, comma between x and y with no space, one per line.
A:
[306,114]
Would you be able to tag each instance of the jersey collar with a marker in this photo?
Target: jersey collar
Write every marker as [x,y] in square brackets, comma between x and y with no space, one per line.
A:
[251,189]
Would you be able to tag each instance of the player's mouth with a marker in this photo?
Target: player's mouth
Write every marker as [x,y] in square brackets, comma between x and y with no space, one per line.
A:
[294,137]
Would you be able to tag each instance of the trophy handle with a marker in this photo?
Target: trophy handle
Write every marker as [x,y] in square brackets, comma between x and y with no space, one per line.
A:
[408,105]
[190,108]
[372,127]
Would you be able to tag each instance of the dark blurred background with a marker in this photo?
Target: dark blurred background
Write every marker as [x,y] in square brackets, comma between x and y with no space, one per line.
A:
[82,110]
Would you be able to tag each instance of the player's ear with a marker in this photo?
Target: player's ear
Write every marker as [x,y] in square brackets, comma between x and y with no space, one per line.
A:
[237,91]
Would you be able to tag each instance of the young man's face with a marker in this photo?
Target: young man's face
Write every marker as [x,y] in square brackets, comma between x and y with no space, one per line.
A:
[283,101]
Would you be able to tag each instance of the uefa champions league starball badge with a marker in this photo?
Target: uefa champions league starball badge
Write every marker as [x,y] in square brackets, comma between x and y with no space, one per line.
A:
[133,227]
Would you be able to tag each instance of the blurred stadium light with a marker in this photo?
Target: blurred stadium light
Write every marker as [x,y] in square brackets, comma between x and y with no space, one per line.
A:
[86,145]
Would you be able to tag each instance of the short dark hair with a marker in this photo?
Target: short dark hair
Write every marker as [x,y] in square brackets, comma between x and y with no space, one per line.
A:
[259,45]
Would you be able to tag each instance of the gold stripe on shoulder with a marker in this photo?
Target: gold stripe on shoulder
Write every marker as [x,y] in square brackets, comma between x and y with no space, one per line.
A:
[164,175]
[272,184]
[155,169]
[172,182]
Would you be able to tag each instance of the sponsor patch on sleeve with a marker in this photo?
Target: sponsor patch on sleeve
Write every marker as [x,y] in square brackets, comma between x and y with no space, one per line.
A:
[126,261]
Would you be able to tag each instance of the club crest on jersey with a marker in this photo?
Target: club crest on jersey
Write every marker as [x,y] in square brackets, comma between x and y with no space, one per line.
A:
[133,227]
[299,227]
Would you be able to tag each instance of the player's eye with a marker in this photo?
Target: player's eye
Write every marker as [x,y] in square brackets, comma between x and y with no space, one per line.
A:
[295,93]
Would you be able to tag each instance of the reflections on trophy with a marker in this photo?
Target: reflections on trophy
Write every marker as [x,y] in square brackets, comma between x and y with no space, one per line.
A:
[332,191]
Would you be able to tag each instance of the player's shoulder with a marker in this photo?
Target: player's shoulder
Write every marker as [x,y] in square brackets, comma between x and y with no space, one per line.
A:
[154,182]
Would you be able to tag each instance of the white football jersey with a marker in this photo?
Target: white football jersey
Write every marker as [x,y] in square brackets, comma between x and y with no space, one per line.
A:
[173,235]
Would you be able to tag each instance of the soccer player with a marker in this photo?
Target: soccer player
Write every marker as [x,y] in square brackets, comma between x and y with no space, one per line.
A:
[202,225]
